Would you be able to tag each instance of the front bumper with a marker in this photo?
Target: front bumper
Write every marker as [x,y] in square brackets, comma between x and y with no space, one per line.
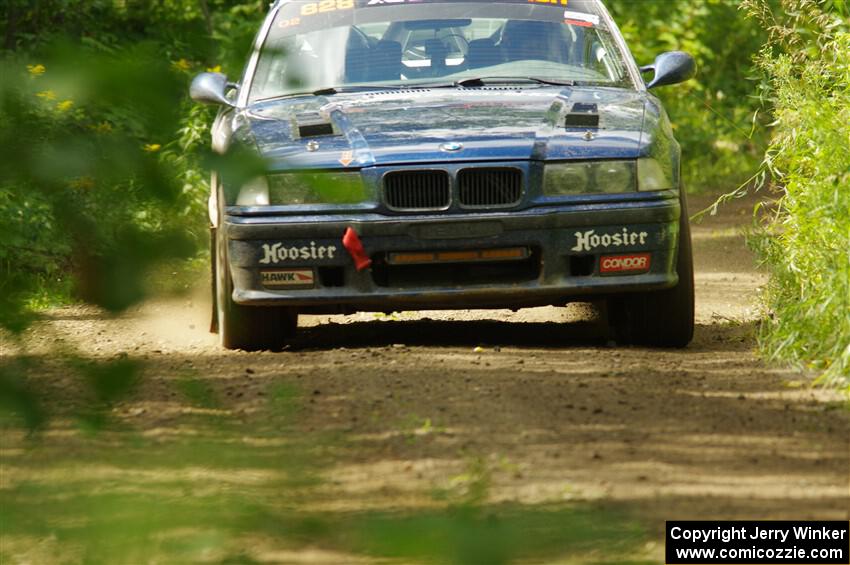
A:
[565,242]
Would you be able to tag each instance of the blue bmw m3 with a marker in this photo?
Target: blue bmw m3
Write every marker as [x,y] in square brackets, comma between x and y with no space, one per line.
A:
[447,154]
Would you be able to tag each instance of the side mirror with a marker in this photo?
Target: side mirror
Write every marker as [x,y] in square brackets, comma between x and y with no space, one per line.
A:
[672,67]
[210,88]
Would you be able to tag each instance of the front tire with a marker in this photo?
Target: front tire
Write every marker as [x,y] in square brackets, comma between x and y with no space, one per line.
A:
[250,328]
[660,318]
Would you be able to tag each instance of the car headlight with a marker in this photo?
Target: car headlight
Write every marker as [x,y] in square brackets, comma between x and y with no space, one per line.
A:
[303,188]
[583,177]
[652,175]
[255,192]
[316,188]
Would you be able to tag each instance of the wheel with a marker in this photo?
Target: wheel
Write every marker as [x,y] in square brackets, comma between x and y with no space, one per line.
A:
[662,318]
[251,328]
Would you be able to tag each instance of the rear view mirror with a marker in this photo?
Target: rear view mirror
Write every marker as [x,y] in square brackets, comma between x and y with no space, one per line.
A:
[210,88]
[672,67]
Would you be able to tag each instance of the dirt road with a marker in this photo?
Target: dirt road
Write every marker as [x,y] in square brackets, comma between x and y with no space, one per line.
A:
[535,405]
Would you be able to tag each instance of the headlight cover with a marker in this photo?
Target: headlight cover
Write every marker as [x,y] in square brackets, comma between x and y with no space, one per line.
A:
[316,188]
[589,177]
[255,192]
[652,175]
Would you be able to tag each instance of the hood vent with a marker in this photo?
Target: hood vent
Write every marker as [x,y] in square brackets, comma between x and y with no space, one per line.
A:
[312,124]
[582,116]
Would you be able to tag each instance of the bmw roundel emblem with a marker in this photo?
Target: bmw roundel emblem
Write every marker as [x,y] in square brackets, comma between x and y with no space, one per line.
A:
[451,146]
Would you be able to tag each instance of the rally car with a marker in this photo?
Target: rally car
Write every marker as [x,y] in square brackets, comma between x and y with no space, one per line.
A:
[431,154]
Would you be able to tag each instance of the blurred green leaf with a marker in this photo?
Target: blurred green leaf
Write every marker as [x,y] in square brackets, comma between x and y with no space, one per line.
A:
[18,398]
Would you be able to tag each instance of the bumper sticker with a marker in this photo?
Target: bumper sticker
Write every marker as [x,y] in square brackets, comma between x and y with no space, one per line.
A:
[632,263]
[281,252]
[590,240]
[289,278]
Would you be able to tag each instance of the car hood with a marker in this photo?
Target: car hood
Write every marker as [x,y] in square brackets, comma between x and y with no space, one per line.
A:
[438,125]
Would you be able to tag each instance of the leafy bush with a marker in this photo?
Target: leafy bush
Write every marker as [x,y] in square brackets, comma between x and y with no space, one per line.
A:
[805,242]
[715,116]
[83,189]
[102,174]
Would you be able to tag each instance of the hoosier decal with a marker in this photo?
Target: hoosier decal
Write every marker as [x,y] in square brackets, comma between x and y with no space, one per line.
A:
[278,252]
[590,240]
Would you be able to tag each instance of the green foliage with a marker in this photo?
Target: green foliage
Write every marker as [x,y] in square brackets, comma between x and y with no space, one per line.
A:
[101,177]
[109,382]
[472,535]
[102,180]
[715,115]
[18,397]
[83,189]
[805,241]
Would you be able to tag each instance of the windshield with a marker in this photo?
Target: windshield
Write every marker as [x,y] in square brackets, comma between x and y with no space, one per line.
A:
[407,43]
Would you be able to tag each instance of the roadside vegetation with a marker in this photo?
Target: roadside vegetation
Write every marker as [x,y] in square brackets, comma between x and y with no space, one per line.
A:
[804,239]
[718,117]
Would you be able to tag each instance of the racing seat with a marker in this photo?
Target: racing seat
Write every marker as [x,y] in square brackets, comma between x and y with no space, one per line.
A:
[482,53]
[357,64]
[385,61]
[357,56]
[528,40]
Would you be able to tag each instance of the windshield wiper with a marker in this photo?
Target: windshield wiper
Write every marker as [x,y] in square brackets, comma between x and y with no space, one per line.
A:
[481,81]
[331,90]
[474,81]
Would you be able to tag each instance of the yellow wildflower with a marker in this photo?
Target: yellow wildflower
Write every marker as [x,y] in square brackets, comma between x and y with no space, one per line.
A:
[36,70]
[65,105]
[103,127]
[182,65]
[215,69]
[152,147]
[47,95]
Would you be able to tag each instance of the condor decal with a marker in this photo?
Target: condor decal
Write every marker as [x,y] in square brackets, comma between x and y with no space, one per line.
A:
[304,278]
[634,263]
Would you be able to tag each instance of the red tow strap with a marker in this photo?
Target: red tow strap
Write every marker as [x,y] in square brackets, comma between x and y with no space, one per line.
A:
[351,242]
